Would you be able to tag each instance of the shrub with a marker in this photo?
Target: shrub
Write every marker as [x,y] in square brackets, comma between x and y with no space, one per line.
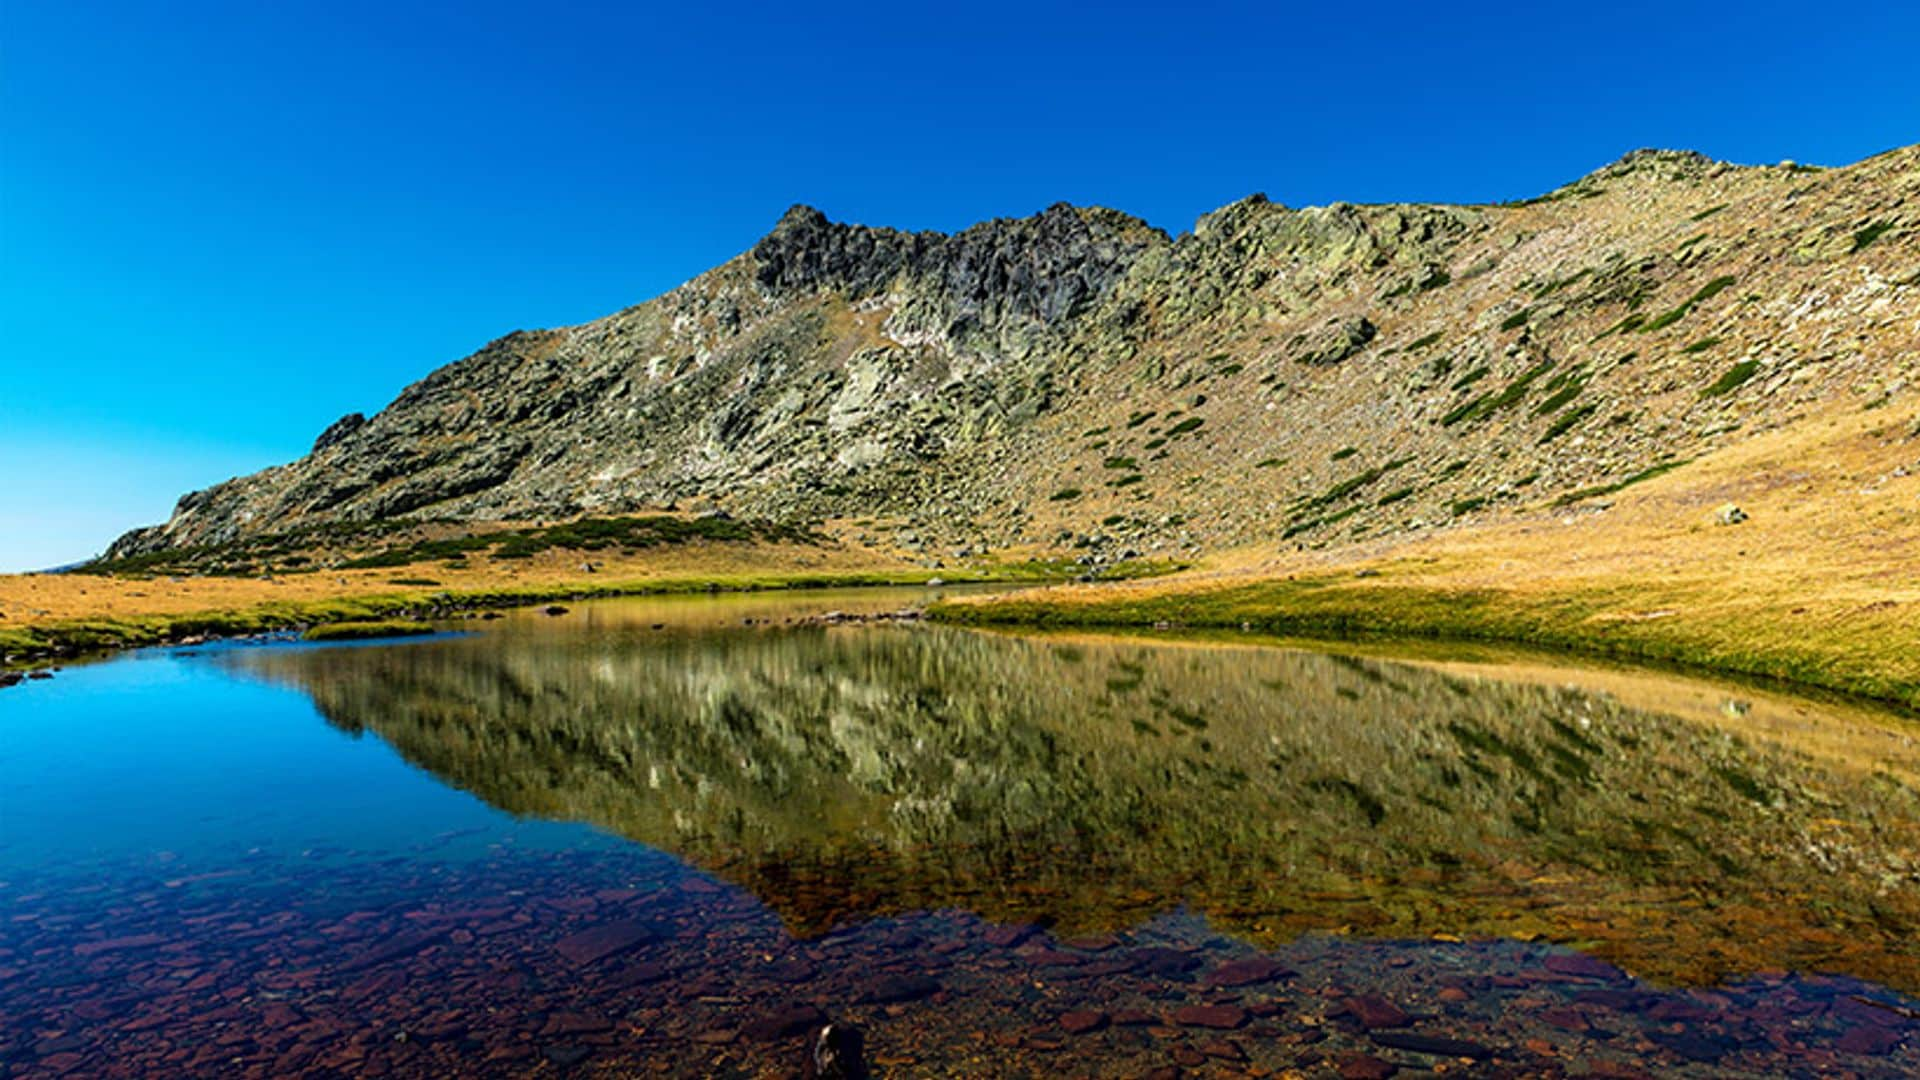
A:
[1869,234]
[1566,422]
[1707,292]
[1735,375]
[1608,489]
[1471,377]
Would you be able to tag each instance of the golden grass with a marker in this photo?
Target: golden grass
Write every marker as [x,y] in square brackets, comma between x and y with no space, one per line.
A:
[45,615]
[1821,586]
[37,599]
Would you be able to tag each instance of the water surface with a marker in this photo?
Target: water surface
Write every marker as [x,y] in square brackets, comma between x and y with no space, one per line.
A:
[678,835]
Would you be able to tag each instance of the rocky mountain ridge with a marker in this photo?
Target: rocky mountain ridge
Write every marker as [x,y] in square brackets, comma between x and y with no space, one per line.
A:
[1079,380]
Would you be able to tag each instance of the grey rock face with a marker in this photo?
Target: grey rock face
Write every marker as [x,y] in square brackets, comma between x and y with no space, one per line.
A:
[339,430]
[1334,341]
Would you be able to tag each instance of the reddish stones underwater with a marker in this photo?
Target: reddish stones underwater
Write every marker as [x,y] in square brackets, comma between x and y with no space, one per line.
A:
[611,960]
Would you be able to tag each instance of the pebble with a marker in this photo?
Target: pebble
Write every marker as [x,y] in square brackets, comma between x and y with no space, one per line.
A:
[784,1022]
[1430,1044]
[1365,1067]
[1374,1011]
[1582,966]
[597,961]
[609,939]
[1083,1021]
[1247,972]
[1225,1017]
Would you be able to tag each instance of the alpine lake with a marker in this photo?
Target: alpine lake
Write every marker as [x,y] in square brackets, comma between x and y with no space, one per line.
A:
[683,835]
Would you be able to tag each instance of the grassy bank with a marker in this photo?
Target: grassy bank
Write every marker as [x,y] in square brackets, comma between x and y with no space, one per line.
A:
[38,641]
[1822,646]
[1816,582]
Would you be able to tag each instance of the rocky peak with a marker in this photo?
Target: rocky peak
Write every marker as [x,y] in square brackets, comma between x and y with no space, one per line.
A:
[1664,164]
[339,430]
[808,253]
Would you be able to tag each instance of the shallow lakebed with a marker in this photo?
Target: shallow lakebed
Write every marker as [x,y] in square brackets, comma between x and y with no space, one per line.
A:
[678,835]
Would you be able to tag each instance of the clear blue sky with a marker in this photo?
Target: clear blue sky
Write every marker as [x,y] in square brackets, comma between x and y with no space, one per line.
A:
[223,225]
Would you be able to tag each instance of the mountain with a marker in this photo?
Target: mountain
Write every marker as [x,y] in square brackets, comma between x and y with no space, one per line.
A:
[1082,380]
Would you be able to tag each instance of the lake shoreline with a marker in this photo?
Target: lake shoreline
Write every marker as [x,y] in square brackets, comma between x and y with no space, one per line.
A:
[1359,606]
[1344,607]
[35,645]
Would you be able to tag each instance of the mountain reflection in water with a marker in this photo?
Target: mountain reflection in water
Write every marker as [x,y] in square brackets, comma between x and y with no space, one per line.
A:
[846,772]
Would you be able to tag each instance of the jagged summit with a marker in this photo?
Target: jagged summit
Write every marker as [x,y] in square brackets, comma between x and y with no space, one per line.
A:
[801,216]
[1690,161]
[1078,379]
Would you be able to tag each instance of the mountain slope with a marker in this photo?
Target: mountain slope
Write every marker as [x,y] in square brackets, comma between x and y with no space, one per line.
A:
[1081,380]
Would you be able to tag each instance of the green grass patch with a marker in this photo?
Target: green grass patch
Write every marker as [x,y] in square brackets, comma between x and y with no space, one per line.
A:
[1471,377]
[1731,381]
[1299,527]
[1487,404]
[1065,495]
[1705,293]
[1516,320]
[1423,342]
[1633,321]
[1354,483]
[1597,490]
[1557,284]
[1191,423]
[1864,237]
[1702,345]
[1569,389]
[1566,422]
[1344,453]
[362,631]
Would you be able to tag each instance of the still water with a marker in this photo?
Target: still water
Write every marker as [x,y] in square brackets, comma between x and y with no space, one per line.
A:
[679,836]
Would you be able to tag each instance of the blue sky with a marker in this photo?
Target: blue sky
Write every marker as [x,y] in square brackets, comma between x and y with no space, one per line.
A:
[223,225]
